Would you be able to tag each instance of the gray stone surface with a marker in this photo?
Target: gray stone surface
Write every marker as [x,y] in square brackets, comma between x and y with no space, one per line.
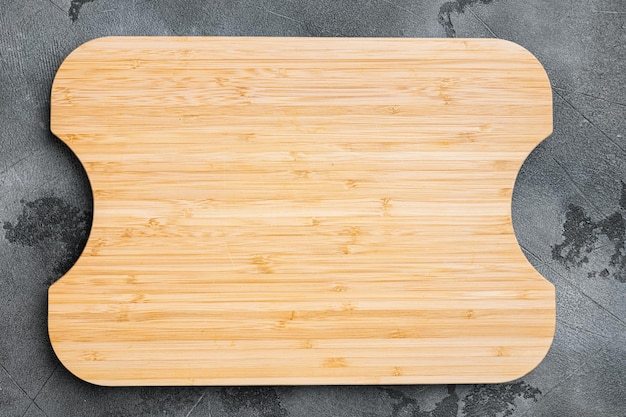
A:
[67,396]
[569,203]
[13,399]
[34,411]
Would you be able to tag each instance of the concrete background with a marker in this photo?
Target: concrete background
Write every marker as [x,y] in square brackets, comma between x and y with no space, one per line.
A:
[569,201]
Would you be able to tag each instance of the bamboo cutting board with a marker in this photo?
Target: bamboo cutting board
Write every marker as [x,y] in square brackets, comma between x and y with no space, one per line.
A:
[301,211]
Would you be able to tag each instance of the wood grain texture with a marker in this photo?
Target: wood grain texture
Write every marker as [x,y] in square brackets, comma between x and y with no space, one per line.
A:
[301,211]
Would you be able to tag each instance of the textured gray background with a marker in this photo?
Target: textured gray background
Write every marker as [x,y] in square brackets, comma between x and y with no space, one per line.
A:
[569,201]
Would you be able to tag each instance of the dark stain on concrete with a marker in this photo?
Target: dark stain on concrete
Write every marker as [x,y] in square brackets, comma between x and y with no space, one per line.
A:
[488,400]
[581,235]
[54,227]
[444,17]
[405,405]
[262,401]
[496,400]
[75,7]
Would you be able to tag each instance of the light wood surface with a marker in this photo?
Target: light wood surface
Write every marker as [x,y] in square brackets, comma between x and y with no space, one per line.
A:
[301,211]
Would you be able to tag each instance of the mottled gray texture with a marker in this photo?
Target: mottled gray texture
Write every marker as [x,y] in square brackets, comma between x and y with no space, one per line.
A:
[573,179]
[596,388]
[34,411]
[13,399]
[67,396]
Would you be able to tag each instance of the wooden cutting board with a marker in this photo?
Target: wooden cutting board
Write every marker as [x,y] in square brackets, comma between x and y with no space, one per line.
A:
[301,211]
